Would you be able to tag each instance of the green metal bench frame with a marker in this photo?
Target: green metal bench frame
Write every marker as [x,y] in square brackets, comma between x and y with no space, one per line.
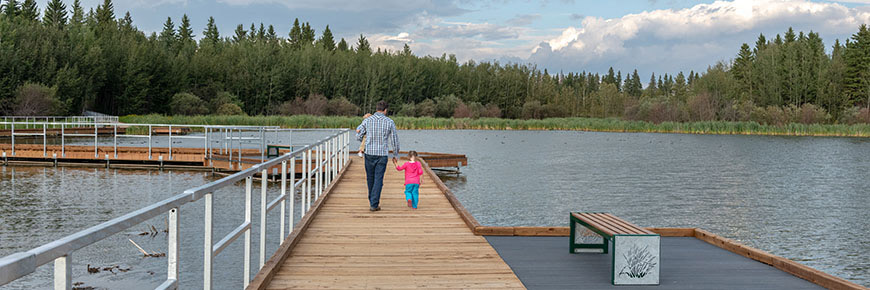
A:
[607,239]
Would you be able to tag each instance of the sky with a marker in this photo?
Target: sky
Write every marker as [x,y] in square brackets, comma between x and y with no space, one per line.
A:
[661,36]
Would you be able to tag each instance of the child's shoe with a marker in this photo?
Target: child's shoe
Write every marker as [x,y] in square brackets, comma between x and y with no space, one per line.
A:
[409,203]
[361,154]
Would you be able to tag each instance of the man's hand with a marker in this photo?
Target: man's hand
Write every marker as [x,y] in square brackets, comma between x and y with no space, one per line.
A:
[395,161]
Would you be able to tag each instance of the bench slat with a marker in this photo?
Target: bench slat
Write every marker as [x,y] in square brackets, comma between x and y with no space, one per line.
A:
[615,224]
[592,222]
[637,228]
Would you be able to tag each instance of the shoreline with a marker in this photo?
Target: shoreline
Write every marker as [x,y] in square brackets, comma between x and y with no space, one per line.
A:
[610,125]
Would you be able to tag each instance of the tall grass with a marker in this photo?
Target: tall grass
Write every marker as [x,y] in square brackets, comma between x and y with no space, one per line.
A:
[581,124]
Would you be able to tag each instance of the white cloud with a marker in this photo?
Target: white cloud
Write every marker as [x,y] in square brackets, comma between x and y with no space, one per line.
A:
[658,39]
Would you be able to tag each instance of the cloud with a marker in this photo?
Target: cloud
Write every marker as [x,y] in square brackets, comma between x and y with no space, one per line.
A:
[691,38]
[576,16]
[485,31]
[523,19]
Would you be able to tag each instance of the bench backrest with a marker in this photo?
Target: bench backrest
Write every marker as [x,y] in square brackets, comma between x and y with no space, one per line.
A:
[610,224]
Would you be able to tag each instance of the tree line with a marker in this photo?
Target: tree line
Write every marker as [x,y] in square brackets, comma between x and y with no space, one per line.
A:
[65,60]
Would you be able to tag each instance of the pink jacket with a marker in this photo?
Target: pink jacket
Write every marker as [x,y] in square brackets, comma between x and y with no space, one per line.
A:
[413,171]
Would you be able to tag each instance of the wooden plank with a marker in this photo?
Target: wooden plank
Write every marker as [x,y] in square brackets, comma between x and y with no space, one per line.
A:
[466,216]
[797,269]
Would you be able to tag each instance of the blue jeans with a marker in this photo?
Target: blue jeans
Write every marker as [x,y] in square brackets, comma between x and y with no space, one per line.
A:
[375,167]
[412,193]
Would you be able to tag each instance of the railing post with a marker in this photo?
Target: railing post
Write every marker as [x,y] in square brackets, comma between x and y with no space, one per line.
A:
[44,139]
[292,193]
[63,273]
[173,247]
[62,141]
[149,142]
[319,174]
[115,140]
[247,274]
[95,140]
[170,142]
[283,201]
[208,254]
[307,182]
[263,176]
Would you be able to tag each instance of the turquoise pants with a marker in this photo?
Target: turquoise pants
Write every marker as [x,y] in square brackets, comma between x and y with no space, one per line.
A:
[412,193]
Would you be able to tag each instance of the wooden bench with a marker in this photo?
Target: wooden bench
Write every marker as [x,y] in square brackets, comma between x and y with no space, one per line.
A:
[636,250]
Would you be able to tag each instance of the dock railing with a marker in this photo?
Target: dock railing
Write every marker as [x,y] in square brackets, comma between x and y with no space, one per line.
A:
[28,120]
[322,161]
[228,138]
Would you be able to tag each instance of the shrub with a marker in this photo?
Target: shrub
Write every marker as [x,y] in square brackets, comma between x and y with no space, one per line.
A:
[812,114]
[291,107]
[223,98]
[34,99]
[491,111]
[701,107]
[855,115]
[462,111]
[445,105]
[553,111]
[315,105]
[342,107]
[426,108]
[532,110]
[188,104]
[407,110]
[230,109]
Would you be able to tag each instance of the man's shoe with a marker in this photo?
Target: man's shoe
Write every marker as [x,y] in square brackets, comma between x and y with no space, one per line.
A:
[374,208]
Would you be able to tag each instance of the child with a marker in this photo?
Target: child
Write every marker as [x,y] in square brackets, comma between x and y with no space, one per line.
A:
[362,146]
[413,171]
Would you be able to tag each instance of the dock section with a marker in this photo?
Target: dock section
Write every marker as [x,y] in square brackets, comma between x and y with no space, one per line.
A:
[346,246]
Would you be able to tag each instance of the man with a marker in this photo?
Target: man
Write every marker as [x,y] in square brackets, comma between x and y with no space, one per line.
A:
[379,131]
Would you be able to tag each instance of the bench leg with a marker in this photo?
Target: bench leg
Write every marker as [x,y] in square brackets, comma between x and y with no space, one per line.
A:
[580,239]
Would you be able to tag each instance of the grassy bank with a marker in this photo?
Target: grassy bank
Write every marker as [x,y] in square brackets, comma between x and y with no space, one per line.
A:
[582,124]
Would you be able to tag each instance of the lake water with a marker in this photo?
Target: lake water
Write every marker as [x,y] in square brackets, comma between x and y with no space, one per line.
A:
[804,198]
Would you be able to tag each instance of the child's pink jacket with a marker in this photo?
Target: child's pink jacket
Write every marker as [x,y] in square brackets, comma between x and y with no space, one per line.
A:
[413,171]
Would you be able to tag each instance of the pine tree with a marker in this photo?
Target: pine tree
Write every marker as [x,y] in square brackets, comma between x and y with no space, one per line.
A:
[167,36]
[270,33]
[240,34]
[11,8]
[211,34]
[651,88]
[78,13]
[307,34]
[29,11]
[633,85]
[856,80]
[326,41]
[295,35]
[55,14]
[406,50]
[127,22]
[105,13]
[185,32]
[742,69]
[342,45]
[760,44]
[362,46]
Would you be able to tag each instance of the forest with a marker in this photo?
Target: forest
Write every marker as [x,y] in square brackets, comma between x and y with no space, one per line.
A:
[64,60]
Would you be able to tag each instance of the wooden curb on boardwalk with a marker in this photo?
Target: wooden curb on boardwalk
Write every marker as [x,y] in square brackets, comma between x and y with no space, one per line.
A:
[264,275]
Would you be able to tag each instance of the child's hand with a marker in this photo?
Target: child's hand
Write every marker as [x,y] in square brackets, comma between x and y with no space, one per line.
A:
[367,115]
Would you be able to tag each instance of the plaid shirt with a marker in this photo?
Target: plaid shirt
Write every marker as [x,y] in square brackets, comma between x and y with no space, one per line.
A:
[379,129]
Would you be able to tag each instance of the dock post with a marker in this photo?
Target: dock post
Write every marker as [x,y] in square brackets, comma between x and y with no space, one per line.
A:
[283,201]
[54,156]
[263,179]
[4,159]
[160,158]
[63,273]
[247,261]
[208,254]
[292,193]
[172,248]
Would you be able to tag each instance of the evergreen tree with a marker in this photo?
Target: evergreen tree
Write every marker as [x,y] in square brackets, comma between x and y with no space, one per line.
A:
[270,33]
[296,35]
[326,41]
[167,36]
[78,16]
[857,75]
[10,9]
[55,14]
[105,13]
[362,46]
[742,69]
[651,88]
[307,34]
[406,50]
[185,32]
[211,34]
[29,11]
[760,44]
[342,45]
[240,34]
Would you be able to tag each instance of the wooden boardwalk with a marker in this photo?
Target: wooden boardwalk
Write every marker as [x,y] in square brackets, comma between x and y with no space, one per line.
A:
[346,246]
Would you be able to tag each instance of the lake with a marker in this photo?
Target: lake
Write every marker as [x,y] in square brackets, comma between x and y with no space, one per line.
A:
[804,198]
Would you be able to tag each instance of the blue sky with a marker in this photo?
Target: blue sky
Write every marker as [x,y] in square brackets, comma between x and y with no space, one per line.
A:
[659,36]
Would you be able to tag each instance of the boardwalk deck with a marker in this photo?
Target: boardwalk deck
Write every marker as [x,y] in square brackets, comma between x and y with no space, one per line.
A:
[348,247]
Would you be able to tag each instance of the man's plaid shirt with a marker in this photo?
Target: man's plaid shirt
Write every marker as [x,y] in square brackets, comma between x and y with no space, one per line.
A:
[379,129]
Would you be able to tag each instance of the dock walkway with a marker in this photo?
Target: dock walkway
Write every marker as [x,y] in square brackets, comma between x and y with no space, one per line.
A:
[348,247]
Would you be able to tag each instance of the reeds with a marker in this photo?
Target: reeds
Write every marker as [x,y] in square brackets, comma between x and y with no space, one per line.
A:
[574,123]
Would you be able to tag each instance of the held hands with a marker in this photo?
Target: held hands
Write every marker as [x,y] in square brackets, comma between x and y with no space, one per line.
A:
[367,115]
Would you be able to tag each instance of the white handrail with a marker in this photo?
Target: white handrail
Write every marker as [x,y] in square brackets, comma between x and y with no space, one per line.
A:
[60,251]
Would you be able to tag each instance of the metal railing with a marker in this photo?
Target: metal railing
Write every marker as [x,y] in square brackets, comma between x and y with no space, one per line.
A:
[229,137]
[27,121]
[321,160]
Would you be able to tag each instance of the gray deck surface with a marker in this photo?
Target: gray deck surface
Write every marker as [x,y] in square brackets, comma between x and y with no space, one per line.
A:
[687,263]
